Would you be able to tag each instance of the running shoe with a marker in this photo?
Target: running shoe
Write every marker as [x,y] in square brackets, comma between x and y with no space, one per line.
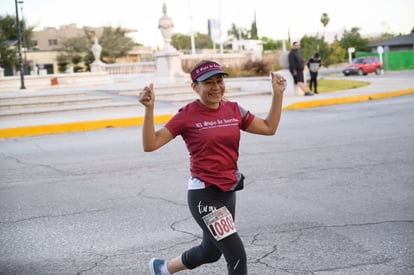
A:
[155,266]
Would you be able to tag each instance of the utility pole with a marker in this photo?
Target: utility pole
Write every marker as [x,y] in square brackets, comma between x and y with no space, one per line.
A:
[221,31]
[19,46]
[193,51]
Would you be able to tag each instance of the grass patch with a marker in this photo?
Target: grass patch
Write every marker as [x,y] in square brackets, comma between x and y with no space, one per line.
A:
[333,85]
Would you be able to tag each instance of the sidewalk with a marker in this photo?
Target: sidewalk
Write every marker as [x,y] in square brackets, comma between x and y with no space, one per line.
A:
[254,97]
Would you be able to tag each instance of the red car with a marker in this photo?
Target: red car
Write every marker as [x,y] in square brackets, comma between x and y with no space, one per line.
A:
[363,66]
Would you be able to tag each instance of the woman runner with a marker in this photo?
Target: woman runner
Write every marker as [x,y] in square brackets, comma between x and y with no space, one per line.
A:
[210,127]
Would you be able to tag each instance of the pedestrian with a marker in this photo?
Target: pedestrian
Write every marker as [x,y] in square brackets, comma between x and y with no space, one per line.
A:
[314,63]
[296,67]
[210,127]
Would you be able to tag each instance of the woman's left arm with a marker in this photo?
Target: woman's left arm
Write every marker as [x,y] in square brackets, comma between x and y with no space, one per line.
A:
[268,126]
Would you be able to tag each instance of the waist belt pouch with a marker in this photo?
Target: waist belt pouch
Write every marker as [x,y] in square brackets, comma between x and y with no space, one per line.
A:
[239,184]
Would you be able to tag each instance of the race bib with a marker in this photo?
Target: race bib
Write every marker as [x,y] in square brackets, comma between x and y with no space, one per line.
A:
[220,223]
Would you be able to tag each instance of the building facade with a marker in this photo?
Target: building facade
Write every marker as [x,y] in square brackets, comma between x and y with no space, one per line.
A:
[42,57]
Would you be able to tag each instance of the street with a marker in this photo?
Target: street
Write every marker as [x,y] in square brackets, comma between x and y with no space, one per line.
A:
[331,193]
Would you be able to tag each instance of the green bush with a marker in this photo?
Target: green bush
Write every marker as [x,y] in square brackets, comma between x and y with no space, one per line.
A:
[259,67]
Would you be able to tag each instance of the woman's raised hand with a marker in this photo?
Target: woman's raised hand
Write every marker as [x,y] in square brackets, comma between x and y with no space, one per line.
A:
[278,83]
[146,96]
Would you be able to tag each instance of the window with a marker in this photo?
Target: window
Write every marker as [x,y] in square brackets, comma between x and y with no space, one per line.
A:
[53,42]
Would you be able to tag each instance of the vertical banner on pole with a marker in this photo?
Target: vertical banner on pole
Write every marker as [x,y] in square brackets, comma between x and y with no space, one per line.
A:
[214,30]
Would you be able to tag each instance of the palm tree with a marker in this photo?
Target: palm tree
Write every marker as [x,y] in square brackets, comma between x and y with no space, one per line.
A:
[324,21]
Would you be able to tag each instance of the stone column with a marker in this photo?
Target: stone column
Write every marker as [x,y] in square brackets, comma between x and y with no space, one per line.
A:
[168,60]
[97,65]
[166,26]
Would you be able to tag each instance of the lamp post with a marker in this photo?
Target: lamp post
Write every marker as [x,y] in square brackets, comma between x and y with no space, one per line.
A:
[24,44]
[19,46]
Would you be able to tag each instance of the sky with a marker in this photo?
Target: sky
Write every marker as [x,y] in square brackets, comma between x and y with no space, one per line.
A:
[274,18]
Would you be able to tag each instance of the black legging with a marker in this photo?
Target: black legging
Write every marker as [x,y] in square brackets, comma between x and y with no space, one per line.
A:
[210,250]
[313,80]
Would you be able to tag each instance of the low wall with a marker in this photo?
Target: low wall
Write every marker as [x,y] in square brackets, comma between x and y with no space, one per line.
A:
[130,68]
[13,83]
[33,82]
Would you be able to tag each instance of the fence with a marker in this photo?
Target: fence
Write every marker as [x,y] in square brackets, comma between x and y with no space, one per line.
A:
[394,61]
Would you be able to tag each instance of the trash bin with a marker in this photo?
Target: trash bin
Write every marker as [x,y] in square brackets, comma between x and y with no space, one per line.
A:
[54,81]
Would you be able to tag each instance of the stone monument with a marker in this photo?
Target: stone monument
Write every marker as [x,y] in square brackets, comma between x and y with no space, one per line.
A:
[97,65]
[168,59]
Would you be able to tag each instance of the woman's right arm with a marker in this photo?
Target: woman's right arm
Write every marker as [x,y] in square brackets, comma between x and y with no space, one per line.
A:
[151,139]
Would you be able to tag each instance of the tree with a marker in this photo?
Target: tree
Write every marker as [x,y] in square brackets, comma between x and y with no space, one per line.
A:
[203,41]
[8,27]
[27,34]
[8,39]
[71,49]
[181,41]
[75,45]
[324,21]
[253,30]
[269,44]
[236,32]
[312,44]
[335,54]
[114,44]
[62,61]
[76,59]
[353,39]
[383,36]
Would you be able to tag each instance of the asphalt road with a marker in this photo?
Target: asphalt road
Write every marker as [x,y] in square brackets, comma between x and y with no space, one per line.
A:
[331,193]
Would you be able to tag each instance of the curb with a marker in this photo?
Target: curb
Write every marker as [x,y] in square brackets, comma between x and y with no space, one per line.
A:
[346,99]
[163,118]
[78,126]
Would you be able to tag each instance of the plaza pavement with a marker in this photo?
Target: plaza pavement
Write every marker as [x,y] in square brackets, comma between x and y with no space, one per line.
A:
[251,93]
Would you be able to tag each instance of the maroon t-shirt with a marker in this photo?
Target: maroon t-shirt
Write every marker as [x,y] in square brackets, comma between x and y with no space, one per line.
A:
[212,137]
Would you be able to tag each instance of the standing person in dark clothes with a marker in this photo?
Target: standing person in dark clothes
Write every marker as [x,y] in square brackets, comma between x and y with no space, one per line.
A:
[210,127]
[314,64]
[296,67]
